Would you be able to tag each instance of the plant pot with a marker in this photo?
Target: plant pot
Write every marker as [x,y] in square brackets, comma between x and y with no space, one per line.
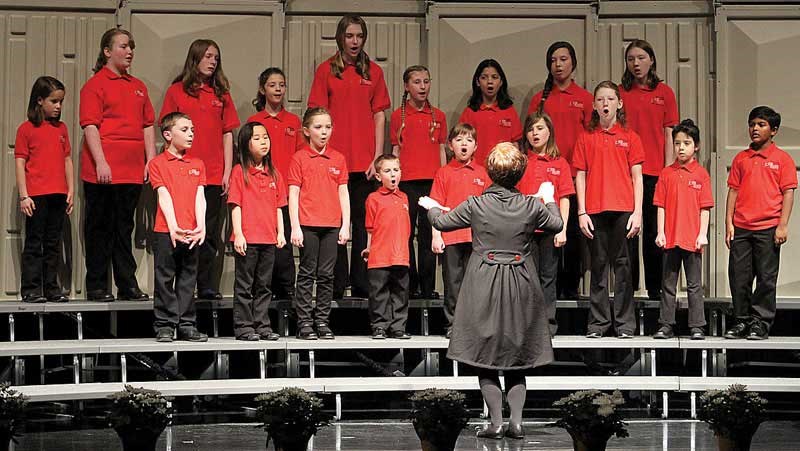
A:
[592,443]
[138,439]
[5,440]
[428,446]
[297,443]
[731,444]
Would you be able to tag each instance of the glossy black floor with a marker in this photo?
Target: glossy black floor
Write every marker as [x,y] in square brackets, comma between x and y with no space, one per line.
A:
[672,435]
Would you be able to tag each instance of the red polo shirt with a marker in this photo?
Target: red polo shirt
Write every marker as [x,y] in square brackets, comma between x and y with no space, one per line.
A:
[607,156]
[181,177]
[761,177]
[493,126]
[352,101]
[648,112]
[387,221]
[453,184]
[259,200]
[682,191]
[285,136]
[212,117]
[319,176]
[120,108]
[571,111]
[44,149]
[422,135]
[542,168]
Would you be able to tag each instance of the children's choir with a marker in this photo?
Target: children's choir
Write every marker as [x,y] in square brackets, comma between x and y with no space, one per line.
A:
[291,183]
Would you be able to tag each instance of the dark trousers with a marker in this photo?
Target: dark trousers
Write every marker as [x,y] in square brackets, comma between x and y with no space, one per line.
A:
[422,272]
[317,260]
[693,268]
[175,277]
[456,257]
[651,254]
[283,273]
[359,188]
[207,273]
[388,297]
[251,289]
[610,247]
[107,235]
[570,267]
[42,249]
[754,254]
[545,258]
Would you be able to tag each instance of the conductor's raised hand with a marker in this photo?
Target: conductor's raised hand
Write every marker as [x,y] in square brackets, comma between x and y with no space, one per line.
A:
[547,192]
[428,203]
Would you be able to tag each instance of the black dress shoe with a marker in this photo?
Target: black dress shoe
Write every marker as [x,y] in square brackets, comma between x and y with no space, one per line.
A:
[252,336]
[191,335]
[359,294]
[57,298]
[664,332]
[99,296]
[415,295]
[324,332]
[431,295]
[306,332]
[515,431]
[494,432]
[34,298]
[209,295]
[697,333]
[165,334]
[758,331]
[269,336]
[378,333]
[654,295]
[737,331]
[132,295]
[400,334]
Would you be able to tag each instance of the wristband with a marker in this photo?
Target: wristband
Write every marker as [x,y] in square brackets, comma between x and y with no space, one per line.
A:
[23,198]
[581,214]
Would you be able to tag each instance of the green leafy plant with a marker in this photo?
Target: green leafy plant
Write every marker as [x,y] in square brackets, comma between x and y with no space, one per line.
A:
[291,414]
[139,409]
[734,412]
[12,410]
[591,414]
[439,415]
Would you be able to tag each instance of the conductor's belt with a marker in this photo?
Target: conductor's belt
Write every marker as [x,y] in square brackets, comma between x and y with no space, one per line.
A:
[501,257]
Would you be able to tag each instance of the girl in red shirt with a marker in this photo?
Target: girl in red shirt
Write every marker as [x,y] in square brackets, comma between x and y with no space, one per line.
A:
[418,133]
[286,136]
[256,196]
[44,181]
[202,91]
[490,109]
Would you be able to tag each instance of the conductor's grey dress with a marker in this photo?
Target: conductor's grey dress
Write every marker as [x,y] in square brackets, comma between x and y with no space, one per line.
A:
[501,319]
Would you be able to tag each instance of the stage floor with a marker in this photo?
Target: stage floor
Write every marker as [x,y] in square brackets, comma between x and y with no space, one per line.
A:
[672,435]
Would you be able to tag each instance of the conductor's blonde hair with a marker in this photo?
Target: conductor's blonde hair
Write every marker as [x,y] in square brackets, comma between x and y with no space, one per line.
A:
[506,164]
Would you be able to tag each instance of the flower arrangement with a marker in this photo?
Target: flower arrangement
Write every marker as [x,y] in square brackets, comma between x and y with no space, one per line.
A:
[591,415]
[438,416]
[12,411]
[733,413]
[139,409]
[291,415]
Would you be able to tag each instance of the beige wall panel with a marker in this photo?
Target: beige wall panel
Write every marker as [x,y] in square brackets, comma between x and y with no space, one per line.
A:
[759,73]
[63,45]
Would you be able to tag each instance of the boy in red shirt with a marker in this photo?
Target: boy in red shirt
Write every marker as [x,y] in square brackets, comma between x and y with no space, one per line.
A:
[761,188]
[179,230]
[683,199]
[387,255]
[453,184]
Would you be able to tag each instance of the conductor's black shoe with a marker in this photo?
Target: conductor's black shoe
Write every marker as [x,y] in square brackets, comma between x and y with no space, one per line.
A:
[663,333]
[737,331]
[165,335]
[132,295]
[57,298]
[191,335]
[494,432]
[34,298]
[378,333]
[515,431]
[209,294]
[758,331]
[99,296]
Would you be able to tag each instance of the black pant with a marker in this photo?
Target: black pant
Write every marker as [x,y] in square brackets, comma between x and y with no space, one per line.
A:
[283,274]
[251,289]
[651,254]
[207,273]
[754,254]
[693,268]
[317,260]
[571,256]
[359,188]
[43,246]
[107,235]
[388,298]
[610,246]
[456,257]
[546,260]
[175,277]
[422,272]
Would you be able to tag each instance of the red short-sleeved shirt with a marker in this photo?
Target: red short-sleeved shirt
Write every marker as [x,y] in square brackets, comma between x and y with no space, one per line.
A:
[387,220]
[493,126]
[648,112]
[212,117]
[571,111]
[120,108]
[761,177]
[181,177]
[453,184]
[542,168]
[352,101]
[285,136]
[682,191]
[607,156]
[259,200]
[423,134]
[319,176]
[44,149]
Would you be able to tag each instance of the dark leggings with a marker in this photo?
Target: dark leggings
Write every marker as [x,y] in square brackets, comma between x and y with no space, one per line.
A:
[489,381]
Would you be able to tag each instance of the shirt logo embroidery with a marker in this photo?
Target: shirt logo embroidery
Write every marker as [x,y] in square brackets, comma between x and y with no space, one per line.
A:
[195,172]
[657,100]
[436,125]
[554,171]
[772,165]
[62,139]
[505,122]
[139,93]
[272,185]
[694,185]
[334,170]
[290,131]
[216,103]
[479,181]
[576,104]
[405,207]
[366,82]
[621,143]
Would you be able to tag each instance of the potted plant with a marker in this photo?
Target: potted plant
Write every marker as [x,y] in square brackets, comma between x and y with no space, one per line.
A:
[734,415]
[291,416]
[438,416]
[139,416]
[591,418]
[12,415]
